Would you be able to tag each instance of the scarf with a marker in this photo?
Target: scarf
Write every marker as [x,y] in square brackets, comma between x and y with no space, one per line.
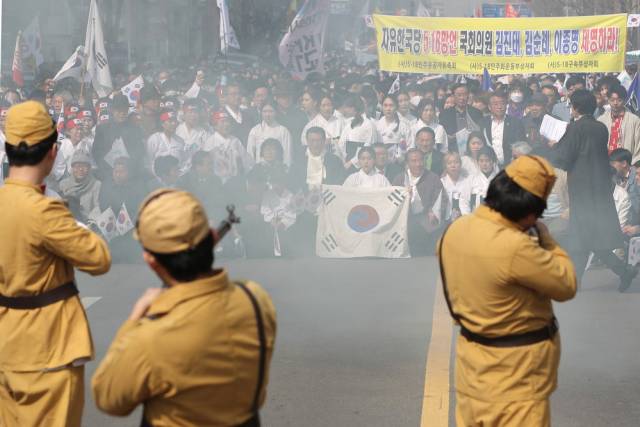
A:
[614,136]
[316,172]
[73,188]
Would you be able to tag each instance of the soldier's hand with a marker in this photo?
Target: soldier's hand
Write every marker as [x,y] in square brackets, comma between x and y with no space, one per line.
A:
[142,305]
[546,241]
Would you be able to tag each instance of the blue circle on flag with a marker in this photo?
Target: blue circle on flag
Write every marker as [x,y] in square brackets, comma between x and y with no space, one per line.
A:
[363,218]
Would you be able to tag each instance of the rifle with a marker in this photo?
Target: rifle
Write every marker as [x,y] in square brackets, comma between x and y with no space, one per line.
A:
[226,224]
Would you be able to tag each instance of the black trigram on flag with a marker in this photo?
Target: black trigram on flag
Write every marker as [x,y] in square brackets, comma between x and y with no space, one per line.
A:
[397,198]
[328,197]
[101,60]
[394,242]
[329,243]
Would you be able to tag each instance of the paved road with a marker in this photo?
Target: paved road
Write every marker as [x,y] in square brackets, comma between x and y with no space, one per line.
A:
[354,335]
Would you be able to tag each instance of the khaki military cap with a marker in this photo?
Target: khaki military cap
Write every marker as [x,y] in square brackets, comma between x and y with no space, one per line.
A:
[28,122]
[534,174]
[171,221]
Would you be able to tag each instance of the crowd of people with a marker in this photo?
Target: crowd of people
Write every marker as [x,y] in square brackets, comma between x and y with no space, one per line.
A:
[254,138]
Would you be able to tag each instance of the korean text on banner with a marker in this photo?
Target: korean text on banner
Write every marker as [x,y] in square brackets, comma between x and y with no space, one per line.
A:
[520,45]
[301,48]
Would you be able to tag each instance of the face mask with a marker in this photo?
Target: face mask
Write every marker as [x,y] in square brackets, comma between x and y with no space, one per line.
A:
[517,97]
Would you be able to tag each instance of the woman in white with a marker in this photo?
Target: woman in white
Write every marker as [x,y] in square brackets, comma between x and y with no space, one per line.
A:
[230,158]
[393,131]
[455,182]
[478,184]
[404,108]
[269,129]
[367,176]
[328,120]
[475,142]
[427,112]
[358,132]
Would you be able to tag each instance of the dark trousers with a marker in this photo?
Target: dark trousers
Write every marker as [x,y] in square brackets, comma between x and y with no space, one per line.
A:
[609,259]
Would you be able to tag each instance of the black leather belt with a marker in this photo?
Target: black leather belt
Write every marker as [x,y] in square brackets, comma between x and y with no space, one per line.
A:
[44,299]
[516,340]
[251,422]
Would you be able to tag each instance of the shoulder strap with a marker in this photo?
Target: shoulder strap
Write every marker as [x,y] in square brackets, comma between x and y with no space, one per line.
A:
[445,291]
[263,344]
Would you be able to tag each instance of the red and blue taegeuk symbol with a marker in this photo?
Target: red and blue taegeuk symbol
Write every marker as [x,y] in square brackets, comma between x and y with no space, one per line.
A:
[363,218]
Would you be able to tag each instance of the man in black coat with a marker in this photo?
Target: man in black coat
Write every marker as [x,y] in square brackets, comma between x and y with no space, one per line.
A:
[501,131]
[307,173]
[316,168]
[593,223]
[120,127]
[460,116]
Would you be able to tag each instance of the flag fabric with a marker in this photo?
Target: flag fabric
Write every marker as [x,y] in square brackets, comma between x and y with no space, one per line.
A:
[123,221]
[96,55]
[118,150]
[633,94]
[422,11]
[486,81]
[633,20]
[227,34]
[31,49]
[395,86]
[363,222]
[106,223]
[16,67]
[301,49]
[60,124]
[510,11]
[73,67]
[132,90]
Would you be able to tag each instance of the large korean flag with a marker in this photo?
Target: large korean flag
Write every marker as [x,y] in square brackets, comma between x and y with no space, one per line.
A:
[363,222]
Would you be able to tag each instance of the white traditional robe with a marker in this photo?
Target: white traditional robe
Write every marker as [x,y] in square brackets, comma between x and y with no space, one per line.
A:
[279,207]
[396,136]
[333,129]
[365,134]
[261,132]
[363,180]
[475,191]
[159,144]
[455,191]
[229,156]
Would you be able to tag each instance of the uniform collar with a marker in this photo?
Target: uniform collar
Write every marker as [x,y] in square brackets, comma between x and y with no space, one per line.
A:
[178,294]
[485,212]
[13,181]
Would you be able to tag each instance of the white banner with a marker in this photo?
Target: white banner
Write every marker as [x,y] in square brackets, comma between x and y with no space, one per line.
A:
[96,54]
[73,67]
[363,222]
[633,20]
[31,49]
[227,35]
[301,47]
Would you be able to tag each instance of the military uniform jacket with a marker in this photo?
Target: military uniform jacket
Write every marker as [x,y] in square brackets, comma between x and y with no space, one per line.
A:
[501,282]
[41,244]
[193,360]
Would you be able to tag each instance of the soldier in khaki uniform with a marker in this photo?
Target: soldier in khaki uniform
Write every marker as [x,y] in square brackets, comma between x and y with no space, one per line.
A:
[197,351]
[45,338]
[499,280]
